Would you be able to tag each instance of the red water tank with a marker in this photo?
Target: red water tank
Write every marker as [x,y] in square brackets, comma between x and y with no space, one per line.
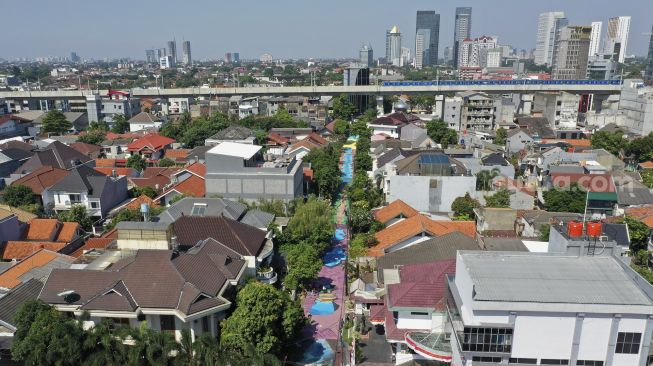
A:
[594,229]
[574,229]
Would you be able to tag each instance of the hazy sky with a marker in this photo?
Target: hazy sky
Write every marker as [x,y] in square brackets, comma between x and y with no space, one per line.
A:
[284,28]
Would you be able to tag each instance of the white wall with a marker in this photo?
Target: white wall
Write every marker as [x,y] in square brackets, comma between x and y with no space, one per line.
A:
[630,324]
[534,331]
[408,242]
[415,191]
[594,337]
[406,320]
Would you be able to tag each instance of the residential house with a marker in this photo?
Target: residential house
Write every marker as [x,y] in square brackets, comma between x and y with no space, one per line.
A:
[145,122]
[251,243]
[413,230]
[429,181]
[50,234]
[157,178]
[12,126]
[40,181]
[276,144]
[10,304]
[13,154]
[84,186]
[78,120]
[188,181]
[302,147]
[56,155]
[151,146]
[169,291]
[115,146]
[478,111]
[92,151]
[495,220]
[238,171]
[36,266]
[392,124]
[518,140]
[179,156]
[192,206]
[394,212]
[490,162]
[198,154]
[292,134]
[530,224]
[237,134]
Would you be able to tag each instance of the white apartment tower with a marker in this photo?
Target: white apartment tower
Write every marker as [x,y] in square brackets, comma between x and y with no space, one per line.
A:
[393,46]
[616,40]
[472,51]
[547,28]
[595,39]
[188,60]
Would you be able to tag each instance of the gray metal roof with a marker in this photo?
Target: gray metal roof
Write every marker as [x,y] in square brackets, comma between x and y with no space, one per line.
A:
[11,302]
[504,244]
[214,207]
[508,277]
[257,218]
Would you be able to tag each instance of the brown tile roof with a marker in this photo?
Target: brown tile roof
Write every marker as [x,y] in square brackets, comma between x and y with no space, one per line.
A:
[92,243]
[193,186]
[278,139]
[642,213]
[68,232]
[42,229]
[22,249]
[646,165]
[135,204]
[317,139]
[150,172]
[11,277]
[307,143]
[244,239]
[85,148]
[196,168]
[422,286]
[157,279]
[127,172]
[152,141]
[22,215]
[393,210]
[175,154]
[417,225]
[42,178]
[105,163]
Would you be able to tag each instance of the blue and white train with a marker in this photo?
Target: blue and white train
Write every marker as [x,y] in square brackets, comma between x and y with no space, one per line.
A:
[501,82]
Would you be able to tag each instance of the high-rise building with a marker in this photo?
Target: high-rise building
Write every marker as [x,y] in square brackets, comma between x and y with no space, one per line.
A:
[448,54]
[366,55]
[649,60]
[393,46]
[150,56]
[188,59]
[595,40]
[74,57]
[357,74]
[570,56]
[616,39]
[547,28]
[462,30]
[421,47]
[172,50]
[265,58]
[160,53]
[235,57]
[167,62]
[472,52]
[227,58]
[428,24]
[406,57]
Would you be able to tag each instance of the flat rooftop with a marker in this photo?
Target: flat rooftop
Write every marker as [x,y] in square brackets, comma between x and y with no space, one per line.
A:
[510,277]
[245,151]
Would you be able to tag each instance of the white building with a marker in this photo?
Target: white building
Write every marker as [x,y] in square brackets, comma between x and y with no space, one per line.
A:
[470,53]
[166,62]
[393,46]
[547,27]
[595,39]
[422,39]
[548,309]
[265,58]
[636,103]
[616,40]
[560,109]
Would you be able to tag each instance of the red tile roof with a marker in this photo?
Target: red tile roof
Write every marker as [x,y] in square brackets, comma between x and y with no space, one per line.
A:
[135,204]
[193,186]
[317,139]
[646,165]
[11,277]
[116,136]
[105,163]
[152,141]
[417,225]
[275,137]
[642,213]
[175,154]
[92,243]
[196,168]
[42,178]
[22,249]
[393,210]
[126,172]
[68,232]
[422,286]
[42,229]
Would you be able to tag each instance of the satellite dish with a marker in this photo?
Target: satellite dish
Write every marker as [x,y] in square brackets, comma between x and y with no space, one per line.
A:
[66,293]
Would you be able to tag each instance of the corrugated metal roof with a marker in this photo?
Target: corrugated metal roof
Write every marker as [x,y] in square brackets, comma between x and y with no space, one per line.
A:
[551,279]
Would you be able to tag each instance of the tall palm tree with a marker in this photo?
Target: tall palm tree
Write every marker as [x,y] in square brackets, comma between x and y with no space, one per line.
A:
[160,347]
[484,177]
[103,347]
[254,357]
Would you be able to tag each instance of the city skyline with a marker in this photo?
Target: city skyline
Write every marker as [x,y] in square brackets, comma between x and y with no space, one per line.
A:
[518,28]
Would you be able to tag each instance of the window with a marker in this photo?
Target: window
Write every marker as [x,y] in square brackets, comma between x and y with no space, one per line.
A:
[549,361]
[117,322]
[529,361]
[75,198]
[421,313]
[167,323]
[486,359]
[589,363]
[205,324]
[487,339]
[198,209]
[628,342]
[95,204]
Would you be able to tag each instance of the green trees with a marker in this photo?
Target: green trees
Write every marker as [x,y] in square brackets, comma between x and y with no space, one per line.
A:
[340,127]
[613,142]
[264,317]
[500,199]
[143,191]
[565,200]
[343,108]
[545,230]
[463,207]
[639,234]
[326,175]
[55,122]
[120,124]
[363,160]
[165,162]
[647,177]
[361,218]
[484,179]
[18,195]
[500,136]
[136,162]
[440,132]
[641,149]
[77,213]
[93,137]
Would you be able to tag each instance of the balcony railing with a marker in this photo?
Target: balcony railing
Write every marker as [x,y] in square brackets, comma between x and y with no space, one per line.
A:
[266,275]
[430,345]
